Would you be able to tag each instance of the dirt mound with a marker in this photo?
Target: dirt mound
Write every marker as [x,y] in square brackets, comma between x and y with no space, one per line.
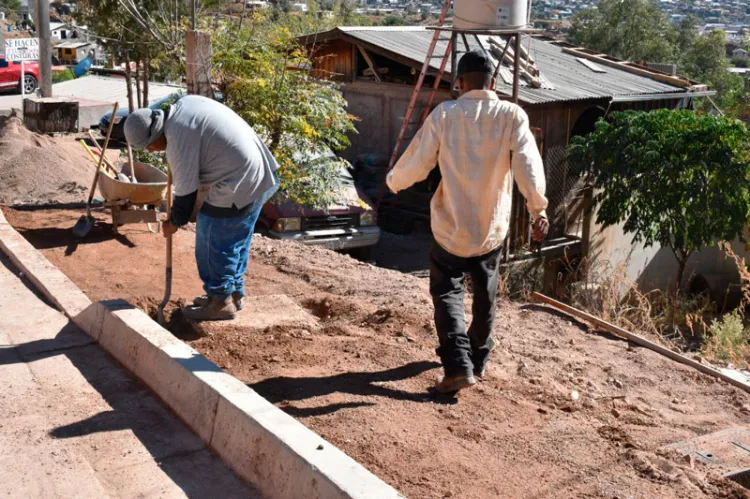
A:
[36,169]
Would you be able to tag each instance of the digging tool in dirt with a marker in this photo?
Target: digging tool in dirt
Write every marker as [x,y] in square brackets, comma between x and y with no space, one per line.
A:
[86,222]
[168,283]
[178,324]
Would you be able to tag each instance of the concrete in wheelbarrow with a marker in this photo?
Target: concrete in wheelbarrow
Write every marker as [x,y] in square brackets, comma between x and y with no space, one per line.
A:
[74,424]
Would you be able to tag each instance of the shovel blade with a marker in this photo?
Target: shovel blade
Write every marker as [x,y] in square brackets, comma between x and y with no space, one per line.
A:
[83,226]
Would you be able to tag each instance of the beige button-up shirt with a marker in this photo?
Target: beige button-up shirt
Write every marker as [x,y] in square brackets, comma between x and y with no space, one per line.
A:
[472,139]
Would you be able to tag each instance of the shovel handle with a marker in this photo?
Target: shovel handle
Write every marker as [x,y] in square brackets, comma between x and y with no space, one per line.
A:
[94,157]
[169,216]
[130,164]
[168,284]
[101,160]
[99,152]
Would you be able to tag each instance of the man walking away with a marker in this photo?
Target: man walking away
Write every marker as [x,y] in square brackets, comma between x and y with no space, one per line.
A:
[208,144]
[477,140]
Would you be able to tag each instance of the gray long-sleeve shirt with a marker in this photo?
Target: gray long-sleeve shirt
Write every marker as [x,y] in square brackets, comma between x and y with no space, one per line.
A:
[209,144]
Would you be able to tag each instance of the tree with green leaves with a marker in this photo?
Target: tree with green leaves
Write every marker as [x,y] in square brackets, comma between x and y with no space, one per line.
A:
[264,76]
[706,61]
[675,178]
[9,7]
[124,37]
[637,30]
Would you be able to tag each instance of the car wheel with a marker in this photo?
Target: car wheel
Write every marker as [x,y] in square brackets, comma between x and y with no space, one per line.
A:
[29,84]
[362,254]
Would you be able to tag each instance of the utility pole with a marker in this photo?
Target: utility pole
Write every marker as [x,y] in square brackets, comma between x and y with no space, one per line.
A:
[198,57]
[45,47]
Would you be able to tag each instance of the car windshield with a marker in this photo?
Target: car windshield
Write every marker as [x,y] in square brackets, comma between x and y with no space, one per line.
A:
[322,162]
[167,101]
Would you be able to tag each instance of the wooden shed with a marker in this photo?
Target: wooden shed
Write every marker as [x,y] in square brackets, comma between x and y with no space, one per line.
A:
[378,67]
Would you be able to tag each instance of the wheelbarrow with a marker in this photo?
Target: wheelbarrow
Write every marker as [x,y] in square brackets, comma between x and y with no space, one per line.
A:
[134,203]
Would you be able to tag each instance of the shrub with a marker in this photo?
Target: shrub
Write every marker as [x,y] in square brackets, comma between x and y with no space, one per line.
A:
[727,339]
[60,76]
[673,178]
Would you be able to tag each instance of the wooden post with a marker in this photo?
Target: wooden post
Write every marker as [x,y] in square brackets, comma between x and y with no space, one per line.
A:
[588,215]
[516,56]
[45,48]
[639,340]
[198,59]
[371,64]
[355,64]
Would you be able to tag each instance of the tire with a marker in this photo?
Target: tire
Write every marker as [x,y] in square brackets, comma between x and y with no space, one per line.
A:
[362,253]
[30,84]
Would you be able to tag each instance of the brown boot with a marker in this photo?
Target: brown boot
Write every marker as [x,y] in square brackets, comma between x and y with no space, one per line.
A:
[202,301]
[450,384]
[214,310]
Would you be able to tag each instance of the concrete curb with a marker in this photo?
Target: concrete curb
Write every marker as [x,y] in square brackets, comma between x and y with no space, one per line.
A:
[263,444]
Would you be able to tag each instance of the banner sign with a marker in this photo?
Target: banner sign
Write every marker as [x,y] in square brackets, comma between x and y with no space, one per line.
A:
[22,49]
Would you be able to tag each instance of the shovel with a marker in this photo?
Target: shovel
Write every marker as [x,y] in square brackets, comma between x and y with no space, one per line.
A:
[86,222]
[168,286]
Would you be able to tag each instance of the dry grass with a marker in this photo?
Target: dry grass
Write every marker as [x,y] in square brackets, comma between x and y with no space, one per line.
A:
[727,337]
[688,323]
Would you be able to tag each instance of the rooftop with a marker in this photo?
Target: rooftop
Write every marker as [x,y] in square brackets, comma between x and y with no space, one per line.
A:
[564,74]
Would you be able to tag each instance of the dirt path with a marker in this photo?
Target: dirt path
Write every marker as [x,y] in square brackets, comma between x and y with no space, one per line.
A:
[360,377]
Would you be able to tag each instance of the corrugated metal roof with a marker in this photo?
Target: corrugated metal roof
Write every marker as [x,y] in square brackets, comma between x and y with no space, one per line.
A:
[564,77]
[108,89]
[72,45]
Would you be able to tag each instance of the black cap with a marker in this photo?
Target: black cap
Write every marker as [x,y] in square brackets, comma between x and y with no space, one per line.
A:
[475,61]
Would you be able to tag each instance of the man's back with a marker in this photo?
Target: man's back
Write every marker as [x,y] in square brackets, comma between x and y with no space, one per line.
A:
[472,139]
[209,144]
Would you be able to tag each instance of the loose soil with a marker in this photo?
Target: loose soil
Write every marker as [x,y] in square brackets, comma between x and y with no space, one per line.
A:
[360,377]
[37,169]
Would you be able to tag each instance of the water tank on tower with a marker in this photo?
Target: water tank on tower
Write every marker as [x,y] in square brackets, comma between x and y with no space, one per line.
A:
[490,14]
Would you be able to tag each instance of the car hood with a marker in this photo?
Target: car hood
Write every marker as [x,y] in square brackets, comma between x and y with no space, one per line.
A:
[352,201]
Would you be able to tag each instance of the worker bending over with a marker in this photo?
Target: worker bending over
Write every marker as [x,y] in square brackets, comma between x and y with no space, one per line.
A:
[477,141]
[208,144]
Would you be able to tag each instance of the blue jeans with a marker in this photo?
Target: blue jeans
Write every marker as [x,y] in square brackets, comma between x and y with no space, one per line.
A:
[222,250]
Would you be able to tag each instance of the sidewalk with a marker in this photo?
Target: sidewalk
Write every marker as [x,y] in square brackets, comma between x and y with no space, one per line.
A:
[74,424]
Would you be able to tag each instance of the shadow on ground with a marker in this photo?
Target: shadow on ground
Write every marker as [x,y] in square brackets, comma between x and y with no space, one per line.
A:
[283,390]
[132,407]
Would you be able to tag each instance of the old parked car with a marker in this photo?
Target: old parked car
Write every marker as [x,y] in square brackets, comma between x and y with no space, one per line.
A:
[10,75]
[350,224]
[118,129]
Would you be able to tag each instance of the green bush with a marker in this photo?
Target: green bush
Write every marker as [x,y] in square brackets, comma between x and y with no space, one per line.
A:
[60,76]
[727,338]
[154,159]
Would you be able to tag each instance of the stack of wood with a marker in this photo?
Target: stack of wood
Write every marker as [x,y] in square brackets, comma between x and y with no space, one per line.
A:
[50,114]
[500,48]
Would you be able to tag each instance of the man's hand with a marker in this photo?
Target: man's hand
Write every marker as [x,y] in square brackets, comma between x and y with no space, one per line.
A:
[168,229]
[539,229]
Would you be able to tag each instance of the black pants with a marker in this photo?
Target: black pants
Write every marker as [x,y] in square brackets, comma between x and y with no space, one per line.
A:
[463,351]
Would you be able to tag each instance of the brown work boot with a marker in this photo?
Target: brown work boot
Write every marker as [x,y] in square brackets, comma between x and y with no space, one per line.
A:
[450,384]
[214,310]
[202,301]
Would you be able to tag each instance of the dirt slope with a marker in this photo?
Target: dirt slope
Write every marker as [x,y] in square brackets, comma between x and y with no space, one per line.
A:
[360,377]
